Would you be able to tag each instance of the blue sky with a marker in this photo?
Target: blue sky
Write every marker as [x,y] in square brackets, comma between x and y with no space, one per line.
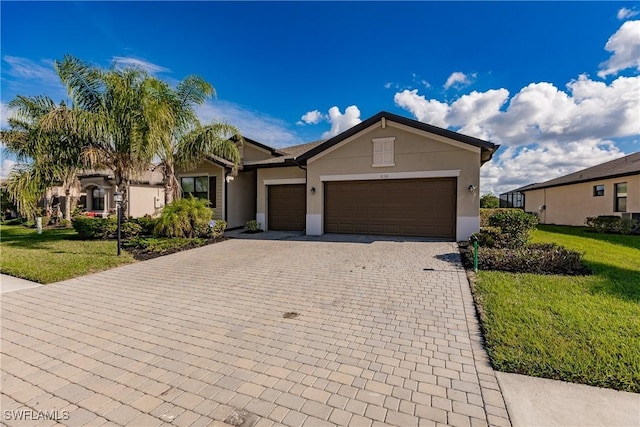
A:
[556,84]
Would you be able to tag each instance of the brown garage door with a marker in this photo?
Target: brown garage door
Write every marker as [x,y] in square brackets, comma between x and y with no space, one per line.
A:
[402,207]
[287,207]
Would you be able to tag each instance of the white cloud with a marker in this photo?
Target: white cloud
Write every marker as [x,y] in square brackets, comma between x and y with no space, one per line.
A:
[458,79]
[149,67]
[26,76]
[388,85]
[252,124]
[625,48]
[341,122]
[625,13]
[311,118]
[5,167]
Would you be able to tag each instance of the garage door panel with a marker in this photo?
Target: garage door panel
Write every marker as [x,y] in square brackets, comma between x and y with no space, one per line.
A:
[287,207]
[409,207]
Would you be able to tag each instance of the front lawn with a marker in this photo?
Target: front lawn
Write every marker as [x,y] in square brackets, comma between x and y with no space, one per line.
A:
[54,255]
[583,329]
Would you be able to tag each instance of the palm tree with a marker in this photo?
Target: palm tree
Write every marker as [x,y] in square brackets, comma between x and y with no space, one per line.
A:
[184,143]
[116,112]
[46,157]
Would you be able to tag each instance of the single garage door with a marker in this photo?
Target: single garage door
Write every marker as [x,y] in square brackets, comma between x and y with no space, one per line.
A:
[401,207]
[287,207]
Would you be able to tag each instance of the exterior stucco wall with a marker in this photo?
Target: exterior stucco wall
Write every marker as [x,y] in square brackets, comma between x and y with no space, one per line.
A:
[250,152]
[572,204]
[268,174]
[241,199]
[145,200]
[207,168]
[413,152]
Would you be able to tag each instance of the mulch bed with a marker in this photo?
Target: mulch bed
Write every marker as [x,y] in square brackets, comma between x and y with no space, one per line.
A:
[144,255]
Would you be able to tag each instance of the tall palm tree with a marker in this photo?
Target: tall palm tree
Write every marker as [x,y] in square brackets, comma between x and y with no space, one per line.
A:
[184,142]
[46,157]
[116,113]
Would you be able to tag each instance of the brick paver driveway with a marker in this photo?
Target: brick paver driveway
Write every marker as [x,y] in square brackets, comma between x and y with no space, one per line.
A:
[385,334]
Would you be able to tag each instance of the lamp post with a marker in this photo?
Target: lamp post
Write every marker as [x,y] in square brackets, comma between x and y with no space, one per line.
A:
[117,197]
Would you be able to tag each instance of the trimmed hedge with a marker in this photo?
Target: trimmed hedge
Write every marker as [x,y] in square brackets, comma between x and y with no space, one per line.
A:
[147,224]
[94,228]
[545,258]
[515,226]
[611,224]
[485,213]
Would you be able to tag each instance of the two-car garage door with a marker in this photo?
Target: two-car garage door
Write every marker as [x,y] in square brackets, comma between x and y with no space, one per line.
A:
[403,207]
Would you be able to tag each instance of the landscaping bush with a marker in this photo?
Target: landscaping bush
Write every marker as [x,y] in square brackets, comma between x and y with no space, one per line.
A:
[218,228]
[490,237]
[64,223]
[147,224]
[187,217]
[91,228]
[160,244]
[486,213]
[252,225]
[515,224]
[546,258]
[611,224]
[129,229]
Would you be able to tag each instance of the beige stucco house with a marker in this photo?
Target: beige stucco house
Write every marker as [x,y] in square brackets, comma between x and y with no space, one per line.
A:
[611,188]
[96,190]
[388,175]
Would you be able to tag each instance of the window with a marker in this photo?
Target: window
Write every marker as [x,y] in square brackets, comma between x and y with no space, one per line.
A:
[598,190]
[197,186]
[383,151]
[620,201]
[97,199]
[201,187]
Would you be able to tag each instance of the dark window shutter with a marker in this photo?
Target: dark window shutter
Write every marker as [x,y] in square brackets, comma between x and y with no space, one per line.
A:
[212,191]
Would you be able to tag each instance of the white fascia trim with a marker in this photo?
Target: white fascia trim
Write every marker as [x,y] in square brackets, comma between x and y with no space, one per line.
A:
[346,141]
[314,225]
[392,175]
[434,136]
[383,165]
[466,226]
[284,181]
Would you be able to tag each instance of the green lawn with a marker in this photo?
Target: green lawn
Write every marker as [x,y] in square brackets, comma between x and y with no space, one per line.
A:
[583,329]
[54,255]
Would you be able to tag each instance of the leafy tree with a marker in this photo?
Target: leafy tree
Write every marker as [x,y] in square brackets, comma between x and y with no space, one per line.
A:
[489,201]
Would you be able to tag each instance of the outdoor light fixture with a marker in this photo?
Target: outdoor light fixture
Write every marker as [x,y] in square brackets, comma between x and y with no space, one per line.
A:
[117,197]
[472,188]
[313,190]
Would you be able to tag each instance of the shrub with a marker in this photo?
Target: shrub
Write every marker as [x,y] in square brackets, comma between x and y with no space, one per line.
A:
[147,224]
[611,224]
[219,227]
[64,223]
[546,258]
[91,228]
[29,224]
[486,213]
[490,237]
[129,229]
[515,224]
[187,217]
[252,225]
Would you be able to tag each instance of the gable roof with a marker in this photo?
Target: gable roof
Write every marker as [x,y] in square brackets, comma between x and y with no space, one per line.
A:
[624,166]
[299,154]
[487,148]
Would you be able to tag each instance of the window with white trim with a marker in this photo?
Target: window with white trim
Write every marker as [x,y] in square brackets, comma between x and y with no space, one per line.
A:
[383,151]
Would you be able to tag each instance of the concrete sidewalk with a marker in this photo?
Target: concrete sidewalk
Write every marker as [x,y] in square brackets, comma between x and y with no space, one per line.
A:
[10,284]
[542,402]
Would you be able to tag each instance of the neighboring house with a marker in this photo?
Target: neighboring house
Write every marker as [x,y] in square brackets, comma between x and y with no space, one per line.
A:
[96,190]
[611,188]
[388,175]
